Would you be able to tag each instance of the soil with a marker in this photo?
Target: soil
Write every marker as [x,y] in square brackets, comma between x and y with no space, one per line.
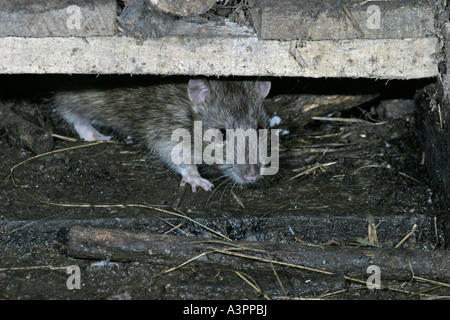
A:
[361,172]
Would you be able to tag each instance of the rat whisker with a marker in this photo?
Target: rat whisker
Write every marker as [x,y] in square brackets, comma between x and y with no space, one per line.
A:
[218,178]
[231,190]
[226,186]
[214,190]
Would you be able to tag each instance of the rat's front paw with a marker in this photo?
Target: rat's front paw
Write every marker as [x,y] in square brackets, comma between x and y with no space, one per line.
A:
[195,182]
[190,175]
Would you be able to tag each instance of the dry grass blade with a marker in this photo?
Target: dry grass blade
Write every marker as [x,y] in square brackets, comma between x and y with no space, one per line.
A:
[98,205]
[232,251]
[252,283]
[310,170]
[348,120]
[29,268]
[372,230]
[437,283]
[227,252]
[278,279]
[181,265]
[231,246]
[238,200]
[31,223]
[64,138]
[409,177]
[180,216]
[52,152]
[382,287]
[414,228]
[353,20]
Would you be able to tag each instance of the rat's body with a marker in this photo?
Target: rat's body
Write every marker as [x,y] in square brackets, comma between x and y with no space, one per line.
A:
[151,114]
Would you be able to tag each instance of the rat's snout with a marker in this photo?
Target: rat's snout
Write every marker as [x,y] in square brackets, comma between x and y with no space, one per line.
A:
[250,177]
[251,174]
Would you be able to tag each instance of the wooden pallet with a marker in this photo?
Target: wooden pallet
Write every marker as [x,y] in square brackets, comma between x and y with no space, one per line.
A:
[333,38]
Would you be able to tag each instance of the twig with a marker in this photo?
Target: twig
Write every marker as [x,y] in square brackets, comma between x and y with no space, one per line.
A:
[407,236]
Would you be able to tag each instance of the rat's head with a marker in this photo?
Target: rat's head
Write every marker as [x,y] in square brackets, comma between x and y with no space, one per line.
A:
[227,106]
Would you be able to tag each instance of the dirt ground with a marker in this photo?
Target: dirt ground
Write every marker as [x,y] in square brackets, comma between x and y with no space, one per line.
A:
[356,175]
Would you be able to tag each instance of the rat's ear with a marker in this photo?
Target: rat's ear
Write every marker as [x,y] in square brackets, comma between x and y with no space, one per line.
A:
[198,91]
[263,88]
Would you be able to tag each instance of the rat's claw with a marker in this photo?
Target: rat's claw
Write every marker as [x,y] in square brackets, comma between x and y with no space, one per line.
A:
[190,175]
[197,181]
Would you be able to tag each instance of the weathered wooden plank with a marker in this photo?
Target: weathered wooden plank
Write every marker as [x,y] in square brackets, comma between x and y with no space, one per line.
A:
[29,18]
[220,56]
[342,19]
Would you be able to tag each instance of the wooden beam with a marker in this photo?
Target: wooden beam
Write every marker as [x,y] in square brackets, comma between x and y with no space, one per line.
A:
[243,55]
[30,18]
[342,19]
[159,249]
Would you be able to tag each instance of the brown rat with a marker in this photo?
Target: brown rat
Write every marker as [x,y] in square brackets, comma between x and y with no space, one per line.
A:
[151,115]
